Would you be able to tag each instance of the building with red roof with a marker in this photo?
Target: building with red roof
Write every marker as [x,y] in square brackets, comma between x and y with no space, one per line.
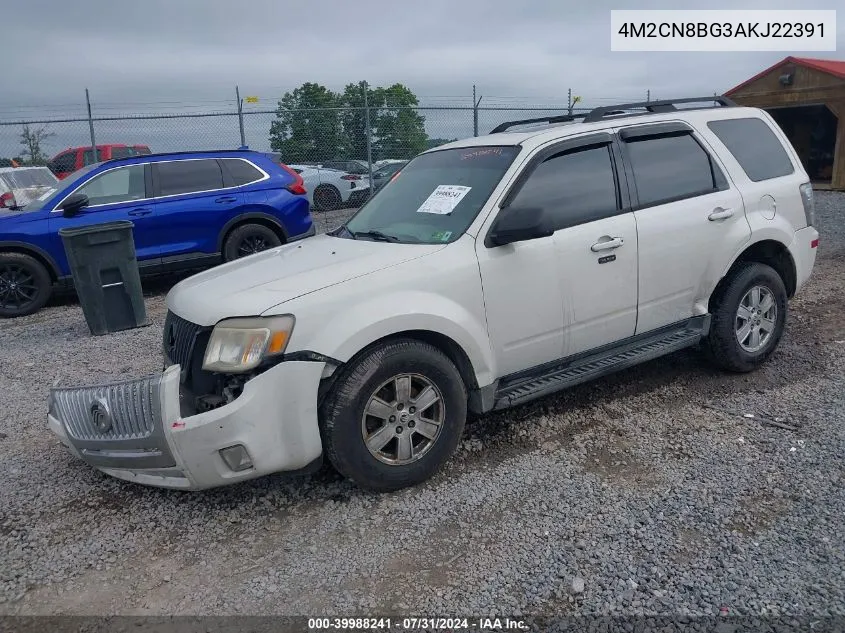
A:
[806,97]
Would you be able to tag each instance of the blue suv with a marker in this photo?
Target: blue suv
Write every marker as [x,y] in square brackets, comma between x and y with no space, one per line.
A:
[190,209]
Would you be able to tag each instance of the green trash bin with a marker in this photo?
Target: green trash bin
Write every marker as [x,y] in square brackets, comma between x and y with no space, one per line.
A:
[105,273]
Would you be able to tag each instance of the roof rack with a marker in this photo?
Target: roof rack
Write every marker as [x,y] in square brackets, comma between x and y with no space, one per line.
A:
[597,114]
[561,118]
[666,105]
[183,152]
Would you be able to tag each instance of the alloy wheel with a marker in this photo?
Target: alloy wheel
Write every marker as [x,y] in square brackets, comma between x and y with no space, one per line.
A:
[756,317]
[403,419]
[18,287]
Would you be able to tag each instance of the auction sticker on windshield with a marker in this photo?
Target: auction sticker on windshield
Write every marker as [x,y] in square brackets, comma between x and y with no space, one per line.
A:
[444,199]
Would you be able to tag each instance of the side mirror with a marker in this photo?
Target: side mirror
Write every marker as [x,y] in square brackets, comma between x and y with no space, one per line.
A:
[519,224]
[74,204]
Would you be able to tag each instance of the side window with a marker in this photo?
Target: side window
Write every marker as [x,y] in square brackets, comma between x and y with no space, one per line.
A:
[65,162]
[189,176]
[88,157]
[123,152]
[668,168]
[241,171]
[755,147]
[573,187]
[117,185]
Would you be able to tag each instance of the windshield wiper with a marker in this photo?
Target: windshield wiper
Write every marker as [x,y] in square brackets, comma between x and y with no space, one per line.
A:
[376,235]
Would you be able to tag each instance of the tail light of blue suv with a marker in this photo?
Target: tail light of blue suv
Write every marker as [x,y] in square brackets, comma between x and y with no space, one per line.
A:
[297,187]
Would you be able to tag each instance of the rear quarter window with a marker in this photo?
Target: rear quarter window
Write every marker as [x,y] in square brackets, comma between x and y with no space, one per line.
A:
[241,171]
[754,146]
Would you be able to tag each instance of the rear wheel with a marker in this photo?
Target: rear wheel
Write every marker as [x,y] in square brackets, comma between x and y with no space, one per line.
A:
[25,285]
[327,198]
[394,416]
[749,318]
[248,240]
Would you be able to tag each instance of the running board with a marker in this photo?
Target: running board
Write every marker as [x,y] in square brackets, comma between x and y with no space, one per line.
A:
[552,377]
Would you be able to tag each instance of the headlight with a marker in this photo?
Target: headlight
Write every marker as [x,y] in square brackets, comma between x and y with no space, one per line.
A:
[238,345]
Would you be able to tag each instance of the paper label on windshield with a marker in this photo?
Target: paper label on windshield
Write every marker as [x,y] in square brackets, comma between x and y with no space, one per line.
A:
[444,199]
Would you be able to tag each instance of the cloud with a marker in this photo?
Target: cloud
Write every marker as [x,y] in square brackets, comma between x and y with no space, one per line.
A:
[188,55]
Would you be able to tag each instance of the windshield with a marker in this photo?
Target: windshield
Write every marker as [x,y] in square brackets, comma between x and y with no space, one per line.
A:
[435,197]
[24,177]
[68,183]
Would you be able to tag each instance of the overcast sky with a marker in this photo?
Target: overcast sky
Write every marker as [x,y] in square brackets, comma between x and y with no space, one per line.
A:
[167,54]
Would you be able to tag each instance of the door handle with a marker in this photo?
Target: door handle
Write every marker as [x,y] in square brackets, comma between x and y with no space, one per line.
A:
[139,212]
[607,243]
[225,199]
[720,214]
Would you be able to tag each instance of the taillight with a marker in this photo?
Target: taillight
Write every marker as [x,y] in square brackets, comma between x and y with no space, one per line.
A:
[298,185]
[7,200]
[350,177]
[809,204]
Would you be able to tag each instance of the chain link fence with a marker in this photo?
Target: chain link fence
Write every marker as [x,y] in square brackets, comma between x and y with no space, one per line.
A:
[300,136]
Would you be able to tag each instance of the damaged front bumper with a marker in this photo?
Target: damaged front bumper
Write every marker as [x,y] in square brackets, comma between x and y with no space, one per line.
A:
[134,429]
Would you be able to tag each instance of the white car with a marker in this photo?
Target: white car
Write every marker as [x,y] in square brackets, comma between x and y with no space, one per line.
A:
[492,271]
[330,189]
[21,185]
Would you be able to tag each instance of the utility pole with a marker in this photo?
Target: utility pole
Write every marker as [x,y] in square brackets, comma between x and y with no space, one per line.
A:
[569,103]
[475,103]
[240,115]
[91,127]
[365,87]
[648,95]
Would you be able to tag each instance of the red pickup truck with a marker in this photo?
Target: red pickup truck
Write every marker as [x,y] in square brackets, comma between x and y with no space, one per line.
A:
[68,161]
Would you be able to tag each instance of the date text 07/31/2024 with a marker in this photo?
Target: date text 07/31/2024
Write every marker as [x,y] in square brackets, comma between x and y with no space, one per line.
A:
[416,624]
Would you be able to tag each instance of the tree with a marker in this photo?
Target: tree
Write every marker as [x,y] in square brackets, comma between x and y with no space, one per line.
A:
[354,119]
[400,128]
[307,125]
[32,140]
[307,129]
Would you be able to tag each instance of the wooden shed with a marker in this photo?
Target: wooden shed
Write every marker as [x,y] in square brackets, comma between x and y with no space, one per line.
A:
[807,99]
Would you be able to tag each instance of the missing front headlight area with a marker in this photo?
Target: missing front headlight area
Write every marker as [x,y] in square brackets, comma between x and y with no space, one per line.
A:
[226,390]
[201,390]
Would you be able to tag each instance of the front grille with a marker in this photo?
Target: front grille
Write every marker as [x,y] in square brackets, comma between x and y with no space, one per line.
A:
[178,339]
[119,411]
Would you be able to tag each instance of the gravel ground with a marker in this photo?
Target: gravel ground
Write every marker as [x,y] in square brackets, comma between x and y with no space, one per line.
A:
[645,492]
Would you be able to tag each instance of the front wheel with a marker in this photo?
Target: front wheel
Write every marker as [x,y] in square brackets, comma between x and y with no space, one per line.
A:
[394,416]
[25,285]
[749,318]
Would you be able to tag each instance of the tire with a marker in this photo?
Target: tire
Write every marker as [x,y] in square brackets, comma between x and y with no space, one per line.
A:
[383,370]
[25,285]
[327,198]
[722,345]
[249,239]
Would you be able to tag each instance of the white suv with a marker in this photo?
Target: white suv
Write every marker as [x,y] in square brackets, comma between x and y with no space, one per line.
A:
[491,271]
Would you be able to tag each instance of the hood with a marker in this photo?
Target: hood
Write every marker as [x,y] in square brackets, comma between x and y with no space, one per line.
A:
[254,284]
[10,216]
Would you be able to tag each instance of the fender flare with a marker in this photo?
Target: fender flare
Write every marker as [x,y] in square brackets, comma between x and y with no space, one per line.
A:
[53,267]
[353,329]
[244,218]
